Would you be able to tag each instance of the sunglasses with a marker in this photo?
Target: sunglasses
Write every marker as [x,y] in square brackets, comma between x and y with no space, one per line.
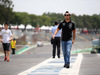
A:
[66,15]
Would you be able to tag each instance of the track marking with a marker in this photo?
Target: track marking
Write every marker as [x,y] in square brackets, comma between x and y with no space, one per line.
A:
[50,67]
[35,67]
[75,69]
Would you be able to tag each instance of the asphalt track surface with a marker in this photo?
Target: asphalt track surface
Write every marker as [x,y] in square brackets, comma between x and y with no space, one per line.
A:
[21,62]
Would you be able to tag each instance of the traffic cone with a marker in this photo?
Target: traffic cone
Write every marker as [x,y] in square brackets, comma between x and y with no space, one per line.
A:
[28,52]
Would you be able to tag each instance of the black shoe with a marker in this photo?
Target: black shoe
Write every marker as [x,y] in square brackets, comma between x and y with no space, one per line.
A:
[58,56]
[13,53]
[66,66]
[53,57]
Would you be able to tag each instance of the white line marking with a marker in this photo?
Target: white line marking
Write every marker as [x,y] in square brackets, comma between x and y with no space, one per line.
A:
[75,69]
[77,65]
[46,62]
[35,67]
[98,54]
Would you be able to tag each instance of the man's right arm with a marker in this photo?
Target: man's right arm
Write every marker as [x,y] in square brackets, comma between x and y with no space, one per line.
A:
[1,41]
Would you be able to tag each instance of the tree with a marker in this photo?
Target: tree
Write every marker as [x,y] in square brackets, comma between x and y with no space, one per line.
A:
[6,13]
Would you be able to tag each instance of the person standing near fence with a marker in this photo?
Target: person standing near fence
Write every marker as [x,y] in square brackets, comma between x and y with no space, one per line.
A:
[13,45]
[68,27]
[6,38]
[56,41]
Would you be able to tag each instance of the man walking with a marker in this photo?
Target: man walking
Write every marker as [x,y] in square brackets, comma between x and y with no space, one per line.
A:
[68,27]
[56,41]
[7,37]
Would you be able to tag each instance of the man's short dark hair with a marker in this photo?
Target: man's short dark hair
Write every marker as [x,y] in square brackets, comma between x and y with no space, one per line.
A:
[67,12]
[6,24]
[56,23]
[14,39]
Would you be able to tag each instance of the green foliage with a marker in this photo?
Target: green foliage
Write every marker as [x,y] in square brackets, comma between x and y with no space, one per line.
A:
[6,13]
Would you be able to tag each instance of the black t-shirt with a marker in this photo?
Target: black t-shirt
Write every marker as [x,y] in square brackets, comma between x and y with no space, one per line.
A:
[67,29]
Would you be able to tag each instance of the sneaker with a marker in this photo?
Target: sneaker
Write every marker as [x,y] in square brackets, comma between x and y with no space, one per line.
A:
[58,56]
[66,66]
[53,57]
[5,59]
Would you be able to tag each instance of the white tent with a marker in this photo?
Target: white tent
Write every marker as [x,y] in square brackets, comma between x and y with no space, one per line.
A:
[21,26]
[50,27]
[12,26]
[46,28]
[15,26]
[43,28]
[29,27]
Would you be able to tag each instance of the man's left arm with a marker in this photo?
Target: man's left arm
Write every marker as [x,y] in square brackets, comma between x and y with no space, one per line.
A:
[74,35]
[11,36]
[74,32]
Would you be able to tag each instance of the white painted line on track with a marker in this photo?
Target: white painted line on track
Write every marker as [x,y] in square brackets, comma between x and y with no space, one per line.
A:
[52,67]
[98,54]
[35,67]
[77,65]
[75,69]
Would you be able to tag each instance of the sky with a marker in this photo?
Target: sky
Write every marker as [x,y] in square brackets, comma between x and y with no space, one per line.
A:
[38,7]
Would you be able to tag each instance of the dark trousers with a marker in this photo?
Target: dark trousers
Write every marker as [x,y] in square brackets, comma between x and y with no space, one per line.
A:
[13,50]
[56,43]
